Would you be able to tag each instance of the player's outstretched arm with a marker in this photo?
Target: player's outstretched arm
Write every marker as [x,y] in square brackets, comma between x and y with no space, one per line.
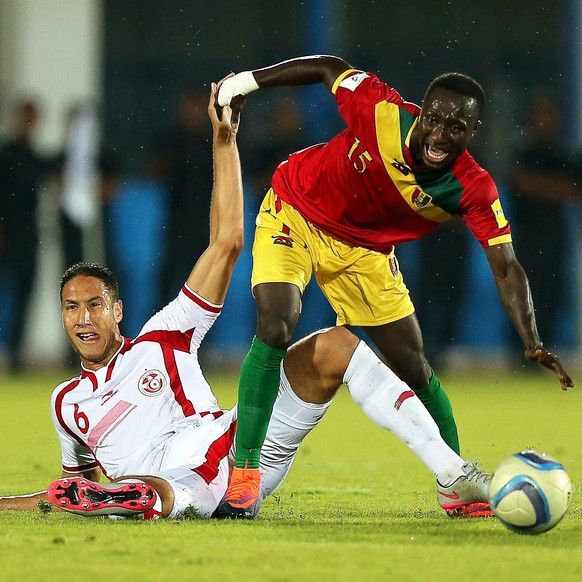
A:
[27,502]
[300,71]
[212,273]
[515,294]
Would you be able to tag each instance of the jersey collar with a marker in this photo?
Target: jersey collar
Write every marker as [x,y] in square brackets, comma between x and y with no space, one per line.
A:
[103,374]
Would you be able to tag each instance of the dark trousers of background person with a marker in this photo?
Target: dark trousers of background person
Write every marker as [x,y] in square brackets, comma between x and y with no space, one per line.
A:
[21,270]
[544,261]
[176,267]
[442,289]
[72,240]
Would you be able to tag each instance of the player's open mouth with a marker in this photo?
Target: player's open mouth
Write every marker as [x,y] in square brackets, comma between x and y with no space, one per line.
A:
[434,155]
[88,337]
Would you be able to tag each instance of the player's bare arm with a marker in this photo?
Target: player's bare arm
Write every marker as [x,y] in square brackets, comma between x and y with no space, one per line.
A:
[302,71]
[514,292]
[212,273]
[27,502]
[30,501]
[299,71]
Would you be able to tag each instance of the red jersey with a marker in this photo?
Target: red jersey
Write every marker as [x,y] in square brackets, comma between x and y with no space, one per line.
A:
[363,187]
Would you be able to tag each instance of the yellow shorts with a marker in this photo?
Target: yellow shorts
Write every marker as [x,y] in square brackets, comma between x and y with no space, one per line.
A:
[364,287]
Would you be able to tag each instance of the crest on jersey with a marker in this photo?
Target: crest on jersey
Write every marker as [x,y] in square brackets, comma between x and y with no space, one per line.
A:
[420,198]
[152,383]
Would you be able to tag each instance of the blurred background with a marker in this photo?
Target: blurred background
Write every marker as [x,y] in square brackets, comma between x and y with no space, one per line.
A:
[105,155]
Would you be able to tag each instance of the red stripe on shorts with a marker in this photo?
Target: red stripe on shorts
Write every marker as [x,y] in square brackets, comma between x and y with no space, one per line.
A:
[216,452]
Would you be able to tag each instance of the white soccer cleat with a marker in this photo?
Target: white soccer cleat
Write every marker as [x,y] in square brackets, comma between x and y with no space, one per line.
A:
[468,496]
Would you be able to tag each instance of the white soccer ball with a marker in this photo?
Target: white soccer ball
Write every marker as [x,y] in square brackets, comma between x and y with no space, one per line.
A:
[530,492]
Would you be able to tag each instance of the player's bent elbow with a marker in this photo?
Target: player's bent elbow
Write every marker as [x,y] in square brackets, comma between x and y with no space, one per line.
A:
[231,245]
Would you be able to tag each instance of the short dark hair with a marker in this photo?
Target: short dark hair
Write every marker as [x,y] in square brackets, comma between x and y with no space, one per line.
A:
[100,272]
[461,84]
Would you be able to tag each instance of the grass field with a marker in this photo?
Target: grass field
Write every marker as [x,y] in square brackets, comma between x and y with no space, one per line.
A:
[357,505]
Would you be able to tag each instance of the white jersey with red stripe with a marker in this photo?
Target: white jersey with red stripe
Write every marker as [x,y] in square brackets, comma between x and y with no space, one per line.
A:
[121,417]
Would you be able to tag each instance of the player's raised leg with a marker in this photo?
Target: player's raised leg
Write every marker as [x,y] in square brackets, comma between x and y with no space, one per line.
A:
[390,403]
[312,372]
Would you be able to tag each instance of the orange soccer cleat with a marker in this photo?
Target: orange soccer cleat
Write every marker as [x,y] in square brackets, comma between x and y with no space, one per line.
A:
[243,496]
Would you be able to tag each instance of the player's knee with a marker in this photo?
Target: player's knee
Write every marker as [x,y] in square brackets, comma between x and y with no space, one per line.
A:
[328,352]
[275,331]
[414,370]
[335,344]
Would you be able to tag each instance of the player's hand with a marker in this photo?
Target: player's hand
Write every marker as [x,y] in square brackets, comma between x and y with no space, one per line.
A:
[234,109]
[233,90]
[221,118]
[550,361]
[217,107]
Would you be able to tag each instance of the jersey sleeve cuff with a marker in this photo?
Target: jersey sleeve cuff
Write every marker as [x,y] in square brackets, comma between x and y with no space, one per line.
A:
[499,240]
[205,304]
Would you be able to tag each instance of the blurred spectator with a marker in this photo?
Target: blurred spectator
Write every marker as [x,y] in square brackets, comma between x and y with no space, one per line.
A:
[87,178]
[442,287]
[285,135]
[137,217]
[544,178]
[186,158]
[21,170]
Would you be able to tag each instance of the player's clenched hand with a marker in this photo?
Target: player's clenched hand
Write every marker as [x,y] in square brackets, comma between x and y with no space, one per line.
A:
[237,85]
[550,361]
[223,121]
[235,103]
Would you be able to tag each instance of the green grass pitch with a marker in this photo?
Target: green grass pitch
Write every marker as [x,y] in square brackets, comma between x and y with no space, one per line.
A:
[357,505]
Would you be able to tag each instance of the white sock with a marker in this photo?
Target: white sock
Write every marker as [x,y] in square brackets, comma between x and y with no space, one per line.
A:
[391,404]
[291,421]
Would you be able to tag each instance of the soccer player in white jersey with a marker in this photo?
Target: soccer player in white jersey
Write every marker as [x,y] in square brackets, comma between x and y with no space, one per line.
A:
[142,414]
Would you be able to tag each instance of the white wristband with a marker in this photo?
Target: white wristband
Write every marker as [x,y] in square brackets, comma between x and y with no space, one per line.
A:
[241,84]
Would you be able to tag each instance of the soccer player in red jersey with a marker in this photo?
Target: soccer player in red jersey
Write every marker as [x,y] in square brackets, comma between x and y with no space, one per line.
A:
[338,209]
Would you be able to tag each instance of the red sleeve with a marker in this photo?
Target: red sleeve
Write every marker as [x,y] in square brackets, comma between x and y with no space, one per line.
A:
[354,90]
[482,212]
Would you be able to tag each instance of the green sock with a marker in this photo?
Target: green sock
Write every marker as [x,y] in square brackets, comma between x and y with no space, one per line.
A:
[258,388]
[438,404]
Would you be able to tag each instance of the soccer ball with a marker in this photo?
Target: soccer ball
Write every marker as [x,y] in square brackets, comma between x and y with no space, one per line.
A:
[530,492]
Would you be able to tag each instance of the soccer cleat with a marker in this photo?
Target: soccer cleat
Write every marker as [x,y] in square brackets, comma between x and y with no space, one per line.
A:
[468,495]
[84,497]
[242,498]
